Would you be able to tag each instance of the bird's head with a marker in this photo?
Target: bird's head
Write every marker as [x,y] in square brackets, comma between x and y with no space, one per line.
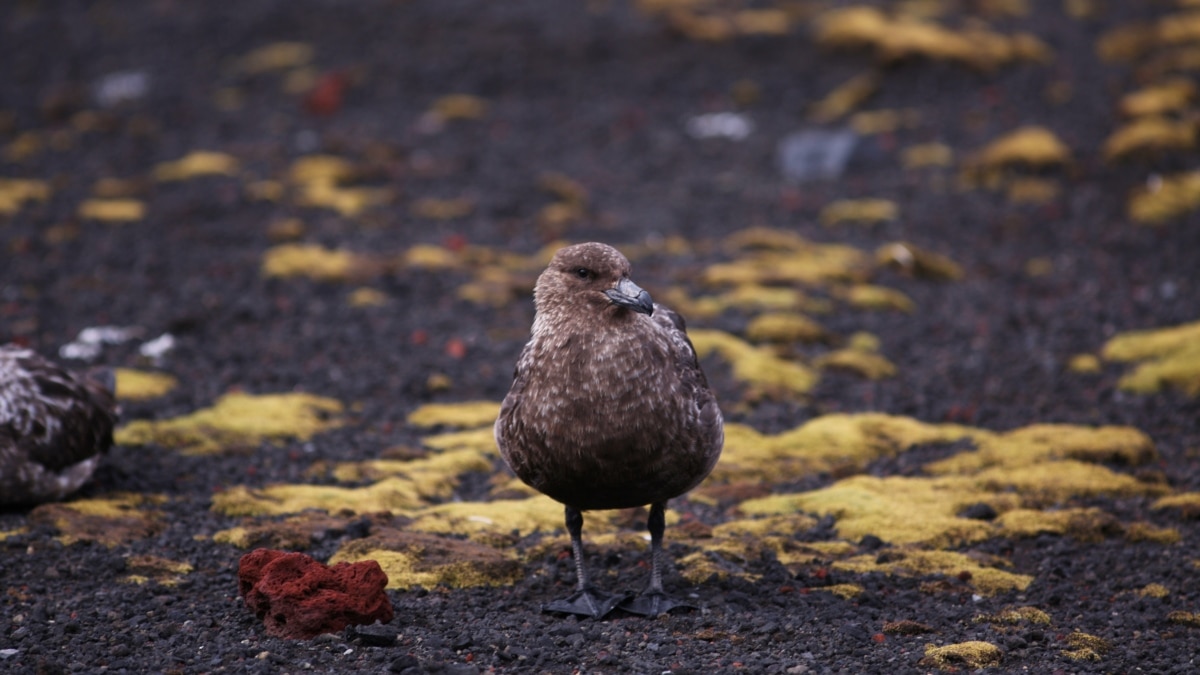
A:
[591,275]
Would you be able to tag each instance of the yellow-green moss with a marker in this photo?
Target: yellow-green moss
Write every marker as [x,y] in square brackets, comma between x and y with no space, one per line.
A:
[867,364]
[397,495]
[481,439]
[1154,591]
[1086,647]
[1182,618]
[431,257]
[238,420]
[466,415]
[1174,196]
[1142,531]
[1084,364]
[858,211]
[139,385]
[295,533]
[1064,479]
[416,559]
[1016,615]
[1188,503]
[974,654]
[745,297]
[113,210]
[898,509]
[146,568]
[112,520]
[501,517]
[1087,524]
[1168,356]
[1151,134]
[868,296]
[367,297]
[276,56]
[806,263]
[843,591]
[407,485]
[837,441]
[788,524]
[437,470]
[784,327]
[758,367]
[918,262]
[195,164]
[1041,442]
[14,192]
[309,260]
[1028,146]
[319,182]
[986,580]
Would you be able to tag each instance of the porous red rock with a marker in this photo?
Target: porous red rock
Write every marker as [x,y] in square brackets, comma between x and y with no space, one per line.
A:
[299,597]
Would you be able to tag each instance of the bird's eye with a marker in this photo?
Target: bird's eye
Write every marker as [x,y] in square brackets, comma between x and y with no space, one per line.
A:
[583,273]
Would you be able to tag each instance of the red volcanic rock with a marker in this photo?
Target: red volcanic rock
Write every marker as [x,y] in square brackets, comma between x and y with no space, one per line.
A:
[298,597]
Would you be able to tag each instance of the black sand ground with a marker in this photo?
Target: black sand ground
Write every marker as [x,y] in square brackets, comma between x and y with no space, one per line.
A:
[602,96]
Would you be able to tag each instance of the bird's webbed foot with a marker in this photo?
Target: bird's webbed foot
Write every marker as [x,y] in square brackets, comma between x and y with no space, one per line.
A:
[652,604]
[589,602]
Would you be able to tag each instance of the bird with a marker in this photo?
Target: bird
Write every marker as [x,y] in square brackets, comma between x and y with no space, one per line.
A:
[609,409]
[55,425]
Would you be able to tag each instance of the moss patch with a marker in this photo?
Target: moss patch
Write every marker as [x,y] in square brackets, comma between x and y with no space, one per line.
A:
[764,373]
[310,260]
[465,415]
[408,485]
[417,559]
[163,571]
[1188,504]
[974,654]
[238,420]
[140,385]
[986,579]
[492,521]
[784,327]
[1014,616]
[1085,647]
[1167,357]
[824,444]
[196,164]
[295,533]
[113,520]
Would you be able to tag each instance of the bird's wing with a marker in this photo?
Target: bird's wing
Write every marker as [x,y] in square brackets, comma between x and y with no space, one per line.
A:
[676,330]
[55,418]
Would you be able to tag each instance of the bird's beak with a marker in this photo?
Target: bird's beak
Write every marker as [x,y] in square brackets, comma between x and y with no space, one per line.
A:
[631,296]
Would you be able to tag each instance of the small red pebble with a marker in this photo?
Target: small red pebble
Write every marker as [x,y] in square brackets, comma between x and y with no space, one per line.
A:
[964,575]
[419,337]
[456,348]
[326,97]
[820,573]
[786,589]
[456,242]
[879,637]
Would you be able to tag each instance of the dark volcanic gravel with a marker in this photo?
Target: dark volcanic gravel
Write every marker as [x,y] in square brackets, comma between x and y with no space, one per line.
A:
[603,94]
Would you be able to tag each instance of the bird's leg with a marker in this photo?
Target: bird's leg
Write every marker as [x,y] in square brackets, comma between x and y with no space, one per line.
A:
[586,600]
[654,601]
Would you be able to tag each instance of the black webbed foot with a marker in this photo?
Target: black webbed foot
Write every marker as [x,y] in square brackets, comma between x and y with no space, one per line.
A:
[588,602]
[652,604]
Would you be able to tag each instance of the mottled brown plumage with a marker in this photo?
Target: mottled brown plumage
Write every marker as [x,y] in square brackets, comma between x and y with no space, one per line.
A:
[54,427]
[609,407]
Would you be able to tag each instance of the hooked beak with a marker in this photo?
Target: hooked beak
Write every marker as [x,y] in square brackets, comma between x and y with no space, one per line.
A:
[631,296]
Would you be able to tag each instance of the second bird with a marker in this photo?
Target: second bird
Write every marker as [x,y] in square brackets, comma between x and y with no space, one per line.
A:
[609,409]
